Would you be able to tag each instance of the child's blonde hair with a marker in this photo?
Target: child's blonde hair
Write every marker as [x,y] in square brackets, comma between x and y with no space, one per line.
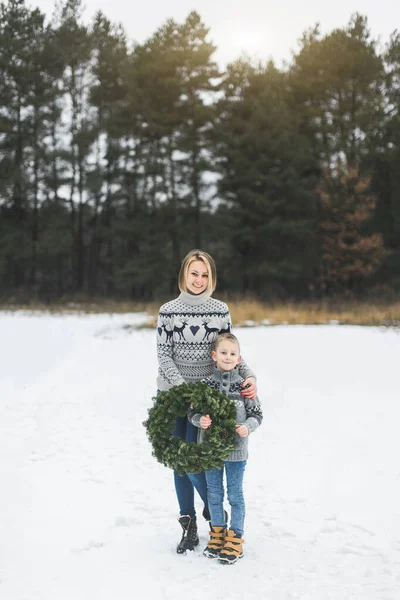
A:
[192,256]
[226,336]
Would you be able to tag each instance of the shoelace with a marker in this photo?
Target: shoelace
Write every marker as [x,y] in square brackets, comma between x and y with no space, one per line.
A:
[192,530]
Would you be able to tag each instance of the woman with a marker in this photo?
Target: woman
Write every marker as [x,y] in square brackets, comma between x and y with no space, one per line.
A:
[186,330]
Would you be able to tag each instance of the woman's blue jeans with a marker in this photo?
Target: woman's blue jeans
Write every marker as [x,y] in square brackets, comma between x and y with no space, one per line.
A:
[185,484]
[234,483]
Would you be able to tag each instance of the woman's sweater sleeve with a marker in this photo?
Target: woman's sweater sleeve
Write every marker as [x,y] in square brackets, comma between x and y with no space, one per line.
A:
[245,371]
[165,351]
[254,415]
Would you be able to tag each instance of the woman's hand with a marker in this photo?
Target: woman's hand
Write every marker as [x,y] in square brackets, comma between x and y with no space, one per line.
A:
[249,388]
[205,421]
[242,430]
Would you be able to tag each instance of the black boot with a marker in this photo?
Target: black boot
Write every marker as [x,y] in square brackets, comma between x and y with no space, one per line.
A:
[190,539]
[207,516]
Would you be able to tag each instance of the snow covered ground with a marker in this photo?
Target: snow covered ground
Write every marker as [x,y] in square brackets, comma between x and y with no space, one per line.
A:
[86,513]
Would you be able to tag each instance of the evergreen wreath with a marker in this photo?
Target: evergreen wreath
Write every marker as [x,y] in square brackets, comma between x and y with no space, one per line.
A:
[190,457]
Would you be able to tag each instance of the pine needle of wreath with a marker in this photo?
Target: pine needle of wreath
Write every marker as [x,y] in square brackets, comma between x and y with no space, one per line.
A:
[189,457]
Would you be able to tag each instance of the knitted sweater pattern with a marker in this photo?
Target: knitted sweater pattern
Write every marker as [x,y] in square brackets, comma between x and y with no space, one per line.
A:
[187,328]
[248,412]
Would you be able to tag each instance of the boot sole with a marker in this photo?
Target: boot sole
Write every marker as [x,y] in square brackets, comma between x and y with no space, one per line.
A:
[191,548]
[210,554]
[226,561]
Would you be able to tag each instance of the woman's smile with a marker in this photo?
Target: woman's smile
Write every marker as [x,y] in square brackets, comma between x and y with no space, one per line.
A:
[197,277]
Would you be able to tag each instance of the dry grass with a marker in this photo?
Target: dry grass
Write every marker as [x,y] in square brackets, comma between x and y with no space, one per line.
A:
[245,312]
[100,306]
[250,312]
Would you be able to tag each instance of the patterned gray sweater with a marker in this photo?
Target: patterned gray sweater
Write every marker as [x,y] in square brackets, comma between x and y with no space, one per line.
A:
[248,412]
[186,331]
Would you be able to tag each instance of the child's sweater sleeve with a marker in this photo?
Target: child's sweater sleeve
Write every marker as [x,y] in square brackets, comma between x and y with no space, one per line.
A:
[194,418]
[254,415]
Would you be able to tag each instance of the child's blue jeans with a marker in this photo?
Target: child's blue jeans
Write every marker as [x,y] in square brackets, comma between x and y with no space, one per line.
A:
[234,483]
[185,484]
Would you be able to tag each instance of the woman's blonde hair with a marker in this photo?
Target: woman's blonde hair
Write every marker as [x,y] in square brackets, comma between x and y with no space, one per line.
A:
[192,256]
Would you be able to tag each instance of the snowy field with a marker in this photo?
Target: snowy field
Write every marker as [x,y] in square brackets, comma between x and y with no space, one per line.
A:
[86,513]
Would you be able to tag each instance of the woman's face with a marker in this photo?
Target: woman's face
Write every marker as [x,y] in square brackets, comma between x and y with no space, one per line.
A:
[197,277]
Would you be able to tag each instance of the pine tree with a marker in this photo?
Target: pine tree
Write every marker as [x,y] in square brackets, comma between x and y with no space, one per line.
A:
[349,255]
[385,161]
[337,88]
[105,183]
[74,39]
[198,75]
[24,87]
[267,182]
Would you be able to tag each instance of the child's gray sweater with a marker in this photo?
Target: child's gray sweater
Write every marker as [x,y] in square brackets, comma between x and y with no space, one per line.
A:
[248,412]
[186,331]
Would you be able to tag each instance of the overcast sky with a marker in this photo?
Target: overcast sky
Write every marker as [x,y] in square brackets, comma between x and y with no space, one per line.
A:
[259,28]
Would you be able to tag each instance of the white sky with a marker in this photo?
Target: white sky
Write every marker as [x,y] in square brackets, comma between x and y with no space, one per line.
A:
[259,28]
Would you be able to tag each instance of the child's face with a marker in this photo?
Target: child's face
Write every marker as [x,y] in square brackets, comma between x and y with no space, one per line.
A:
[226,355]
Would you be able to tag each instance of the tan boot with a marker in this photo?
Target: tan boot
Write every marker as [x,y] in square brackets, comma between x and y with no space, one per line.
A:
[216,542]
[232,550]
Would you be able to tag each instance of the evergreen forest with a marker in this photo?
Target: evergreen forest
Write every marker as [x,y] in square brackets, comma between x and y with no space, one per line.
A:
[117,158]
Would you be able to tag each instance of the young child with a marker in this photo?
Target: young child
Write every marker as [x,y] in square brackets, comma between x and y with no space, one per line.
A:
[225,545]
